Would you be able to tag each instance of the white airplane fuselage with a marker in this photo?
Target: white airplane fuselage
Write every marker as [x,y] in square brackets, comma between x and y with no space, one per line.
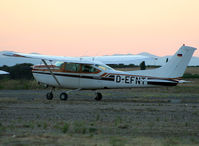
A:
[100,80]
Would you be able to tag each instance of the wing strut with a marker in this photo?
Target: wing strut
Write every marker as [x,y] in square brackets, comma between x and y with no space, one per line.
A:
[51,72]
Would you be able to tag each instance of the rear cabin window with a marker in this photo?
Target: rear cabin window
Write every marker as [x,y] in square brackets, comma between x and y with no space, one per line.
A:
[72,67]
[88,69]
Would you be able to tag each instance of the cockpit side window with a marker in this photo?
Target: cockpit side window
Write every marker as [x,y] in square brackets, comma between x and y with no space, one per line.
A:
[59,63]
[76,67]
[72,67]
[88,69]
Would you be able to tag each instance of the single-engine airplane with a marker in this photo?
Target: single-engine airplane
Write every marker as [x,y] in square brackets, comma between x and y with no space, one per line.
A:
[82,73]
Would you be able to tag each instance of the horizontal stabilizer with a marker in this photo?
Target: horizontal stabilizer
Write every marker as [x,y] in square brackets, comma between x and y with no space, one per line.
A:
[183,81]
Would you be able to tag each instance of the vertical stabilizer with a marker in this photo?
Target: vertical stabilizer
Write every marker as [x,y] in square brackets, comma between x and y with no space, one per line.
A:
[174,68]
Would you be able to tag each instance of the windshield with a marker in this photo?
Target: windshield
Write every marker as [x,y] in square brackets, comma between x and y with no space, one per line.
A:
[58,63]
[103,67]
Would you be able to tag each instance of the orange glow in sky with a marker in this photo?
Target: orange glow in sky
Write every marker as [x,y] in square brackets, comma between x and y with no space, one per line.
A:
[98,27]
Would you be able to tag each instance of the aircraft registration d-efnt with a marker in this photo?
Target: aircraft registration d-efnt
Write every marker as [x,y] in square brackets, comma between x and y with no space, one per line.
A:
[83,73]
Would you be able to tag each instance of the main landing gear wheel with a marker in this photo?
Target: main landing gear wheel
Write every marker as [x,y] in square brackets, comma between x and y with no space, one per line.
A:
[98,96]
[63,96]
[49,96]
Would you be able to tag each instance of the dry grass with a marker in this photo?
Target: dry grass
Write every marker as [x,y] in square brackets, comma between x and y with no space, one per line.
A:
[19,84]
[8,100]
[92,140]
[192,70]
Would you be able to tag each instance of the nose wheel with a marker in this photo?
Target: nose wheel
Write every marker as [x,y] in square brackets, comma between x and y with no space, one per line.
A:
[98,96]
[49,96]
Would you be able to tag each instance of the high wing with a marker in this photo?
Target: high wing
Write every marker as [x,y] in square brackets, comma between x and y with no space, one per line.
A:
[3,72]
[120,59]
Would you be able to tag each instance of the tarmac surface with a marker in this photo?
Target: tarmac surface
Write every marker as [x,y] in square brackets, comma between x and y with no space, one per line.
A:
[121,112]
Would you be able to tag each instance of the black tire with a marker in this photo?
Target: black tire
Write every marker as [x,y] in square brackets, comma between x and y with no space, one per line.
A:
[98,97]
[63,96]
[49,96]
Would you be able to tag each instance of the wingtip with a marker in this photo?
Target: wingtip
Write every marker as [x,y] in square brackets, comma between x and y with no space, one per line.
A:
[8,54]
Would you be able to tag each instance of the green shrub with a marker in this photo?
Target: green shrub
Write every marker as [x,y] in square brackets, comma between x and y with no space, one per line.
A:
[65,127]
[116,141]
[92,130]
[79,127]
[2,129]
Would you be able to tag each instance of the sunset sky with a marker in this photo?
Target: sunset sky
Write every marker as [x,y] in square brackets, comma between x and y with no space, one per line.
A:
[98,27]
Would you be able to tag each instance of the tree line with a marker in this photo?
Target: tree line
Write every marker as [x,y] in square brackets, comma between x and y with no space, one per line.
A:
[142,65]
[18,71]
